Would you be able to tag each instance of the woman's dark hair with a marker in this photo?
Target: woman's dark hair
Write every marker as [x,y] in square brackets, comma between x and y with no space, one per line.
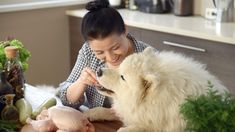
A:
[101,20]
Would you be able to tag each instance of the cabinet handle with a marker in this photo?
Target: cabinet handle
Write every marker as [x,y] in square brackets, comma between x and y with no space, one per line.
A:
[184,46]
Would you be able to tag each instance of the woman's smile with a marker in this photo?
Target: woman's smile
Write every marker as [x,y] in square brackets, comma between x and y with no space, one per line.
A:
[112,49]
[115,61]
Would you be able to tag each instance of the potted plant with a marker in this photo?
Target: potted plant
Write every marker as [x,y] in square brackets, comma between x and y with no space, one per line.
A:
[210,112]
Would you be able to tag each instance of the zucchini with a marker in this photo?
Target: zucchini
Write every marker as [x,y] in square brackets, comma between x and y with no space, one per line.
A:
[24,108]
[46,104]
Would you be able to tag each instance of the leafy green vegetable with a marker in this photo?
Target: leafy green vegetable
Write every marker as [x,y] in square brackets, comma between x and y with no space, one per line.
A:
[24,54]
[6,126]
[212,112]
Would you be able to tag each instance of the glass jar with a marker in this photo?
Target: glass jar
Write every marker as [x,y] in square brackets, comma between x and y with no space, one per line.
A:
[14,72]
[5,89]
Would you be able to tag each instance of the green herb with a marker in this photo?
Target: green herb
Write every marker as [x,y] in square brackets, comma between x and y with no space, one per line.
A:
[212,112]
[24,54]
[6,126]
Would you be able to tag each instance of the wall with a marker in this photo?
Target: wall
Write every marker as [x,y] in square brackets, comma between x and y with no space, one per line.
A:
[44,32]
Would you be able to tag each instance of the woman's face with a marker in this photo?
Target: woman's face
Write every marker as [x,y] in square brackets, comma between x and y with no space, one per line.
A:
[112,49]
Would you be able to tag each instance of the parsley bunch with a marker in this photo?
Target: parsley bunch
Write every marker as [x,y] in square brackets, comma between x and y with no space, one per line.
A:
[210,112]
[24,54]
[6,126]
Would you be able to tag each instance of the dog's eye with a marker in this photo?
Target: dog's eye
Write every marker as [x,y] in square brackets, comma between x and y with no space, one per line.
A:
[122,77]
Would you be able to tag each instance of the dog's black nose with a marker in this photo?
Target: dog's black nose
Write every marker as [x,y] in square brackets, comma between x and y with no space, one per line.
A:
[99,73]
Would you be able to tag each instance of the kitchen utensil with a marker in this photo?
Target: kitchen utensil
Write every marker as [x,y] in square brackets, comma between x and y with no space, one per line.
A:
[225,10]
[182,7]
[153,6]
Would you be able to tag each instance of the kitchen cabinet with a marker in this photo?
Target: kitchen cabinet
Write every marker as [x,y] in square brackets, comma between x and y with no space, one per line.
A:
[217,56]
[76,39]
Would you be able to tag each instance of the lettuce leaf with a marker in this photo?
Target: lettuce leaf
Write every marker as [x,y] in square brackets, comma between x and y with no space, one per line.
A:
[24,54]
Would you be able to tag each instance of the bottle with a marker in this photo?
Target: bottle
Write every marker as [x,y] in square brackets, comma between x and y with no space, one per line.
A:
[10,112]
[5,89]
[14,72]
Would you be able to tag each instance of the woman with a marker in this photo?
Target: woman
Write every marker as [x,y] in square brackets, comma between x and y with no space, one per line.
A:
[107,44]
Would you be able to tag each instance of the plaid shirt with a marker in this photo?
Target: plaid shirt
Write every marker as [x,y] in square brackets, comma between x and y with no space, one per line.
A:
[86,58]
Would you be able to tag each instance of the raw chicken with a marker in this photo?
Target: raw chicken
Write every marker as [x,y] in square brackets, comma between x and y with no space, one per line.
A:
[43,125]
[61,118]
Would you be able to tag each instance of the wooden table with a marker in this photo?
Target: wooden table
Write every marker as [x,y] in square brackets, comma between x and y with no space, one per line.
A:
[107,126]
[36,96]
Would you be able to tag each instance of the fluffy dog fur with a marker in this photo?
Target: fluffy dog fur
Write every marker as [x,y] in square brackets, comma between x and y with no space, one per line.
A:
[149,87]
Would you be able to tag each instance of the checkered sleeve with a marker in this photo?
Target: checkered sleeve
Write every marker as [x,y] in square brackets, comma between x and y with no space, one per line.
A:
[81,62]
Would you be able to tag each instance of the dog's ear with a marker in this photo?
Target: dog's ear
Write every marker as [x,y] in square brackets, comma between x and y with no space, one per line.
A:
[153,79]
[150,81]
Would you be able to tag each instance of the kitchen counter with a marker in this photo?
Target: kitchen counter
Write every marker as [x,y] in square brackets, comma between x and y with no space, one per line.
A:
[192,26]
[20,5]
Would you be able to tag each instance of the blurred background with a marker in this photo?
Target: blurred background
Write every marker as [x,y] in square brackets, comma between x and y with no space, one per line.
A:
[43,28]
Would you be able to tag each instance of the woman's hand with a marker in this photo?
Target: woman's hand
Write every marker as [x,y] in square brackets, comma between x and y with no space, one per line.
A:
[77,89]
[88,77]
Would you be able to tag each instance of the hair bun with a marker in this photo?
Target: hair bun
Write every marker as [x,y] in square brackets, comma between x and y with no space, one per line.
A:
[97,5]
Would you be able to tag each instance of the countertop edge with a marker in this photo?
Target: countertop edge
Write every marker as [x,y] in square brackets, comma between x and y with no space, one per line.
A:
[176,31]
[182,32]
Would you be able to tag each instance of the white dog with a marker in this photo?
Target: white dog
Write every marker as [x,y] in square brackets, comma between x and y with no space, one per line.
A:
[149,87]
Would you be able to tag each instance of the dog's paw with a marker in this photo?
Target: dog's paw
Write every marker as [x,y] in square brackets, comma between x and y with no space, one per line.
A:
[91,115]
[100,114]
[122,129]
[132,129]
[125,129]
